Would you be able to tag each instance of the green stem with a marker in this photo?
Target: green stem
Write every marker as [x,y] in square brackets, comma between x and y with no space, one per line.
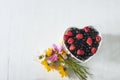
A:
[80,71]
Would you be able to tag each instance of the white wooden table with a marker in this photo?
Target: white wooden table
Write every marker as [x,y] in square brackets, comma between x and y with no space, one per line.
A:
[27,27]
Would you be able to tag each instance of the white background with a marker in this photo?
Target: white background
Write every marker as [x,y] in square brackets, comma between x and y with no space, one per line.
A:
[27,27]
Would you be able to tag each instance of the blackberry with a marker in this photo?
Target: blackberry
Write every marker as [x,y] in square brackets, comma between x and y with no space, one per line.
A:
[82,43]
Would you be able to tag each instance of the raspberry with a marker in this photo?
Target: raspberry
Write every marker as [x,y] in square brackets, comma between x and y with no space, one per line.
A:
[86,29]
[89,41]
[79,36]
[70,41]
[98,38]
[65,37]
[72,47]
[93,50]
[80,52]
[69,33]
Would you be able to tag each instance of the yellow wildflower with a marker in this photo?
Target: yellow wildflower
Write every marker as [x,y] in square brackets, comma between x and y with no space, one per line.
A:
[62,71]
[48,52]
[64,54]
[60,67]
[60,58]
[45,63]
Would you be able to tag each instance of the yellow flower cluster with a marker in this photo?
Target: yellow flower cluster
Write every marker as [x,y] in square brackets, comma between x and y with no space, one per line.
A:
[62,71]
[48,52]
[54,60]
[46,65]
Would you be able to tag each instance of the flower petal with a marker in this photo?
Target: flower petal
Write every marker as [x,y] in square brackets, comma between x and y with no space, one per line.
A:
[55,47]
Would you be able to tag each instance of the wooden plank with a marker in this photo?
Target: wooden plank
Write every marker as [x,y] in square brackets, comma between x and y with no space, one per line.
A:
[4,43]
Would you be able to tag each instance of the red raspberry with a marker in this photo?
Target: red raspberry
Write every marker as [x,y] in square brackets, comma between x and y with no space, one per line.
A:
[86,29]
[93,50]
[70,41]
[72,47]
[80,52]
[89,41]
[79,36]
[69,33]
[65,37]
[98,38]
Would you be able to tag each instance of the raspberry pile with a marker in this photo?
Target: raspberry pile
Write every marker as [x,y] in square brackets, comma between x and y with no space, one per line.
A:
[82,43]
